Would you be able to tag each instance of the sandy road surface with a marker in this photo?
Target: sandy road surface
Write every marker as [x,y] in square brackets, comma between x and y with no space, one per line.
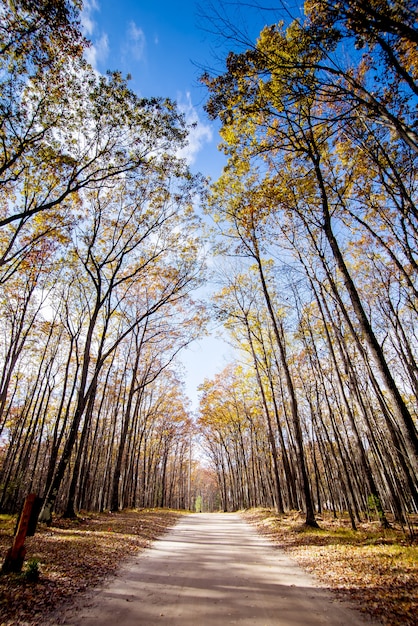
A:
[212,569]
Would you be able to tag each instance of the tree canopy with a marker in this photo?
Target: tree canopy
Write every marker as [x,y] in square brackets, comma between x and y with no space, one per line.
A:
[318,120]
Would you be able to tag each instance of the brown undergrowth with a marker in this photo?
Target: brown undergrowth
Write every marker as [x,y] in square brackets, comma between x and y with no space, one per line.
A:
[374,568]
[73,556]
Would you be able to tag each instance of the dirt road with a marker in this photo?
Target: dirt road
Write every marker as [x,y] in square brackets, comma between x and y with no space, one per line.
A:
[213,570]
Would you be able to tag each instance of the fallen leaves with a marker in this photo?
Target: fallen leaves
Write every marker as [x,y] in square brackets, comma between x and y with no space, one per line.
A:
[375,568]
[73,555]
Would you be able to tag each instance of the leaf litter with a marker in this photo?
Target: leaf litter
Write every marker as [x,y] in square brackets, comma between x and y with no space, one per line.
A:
[375,569]
[73,556]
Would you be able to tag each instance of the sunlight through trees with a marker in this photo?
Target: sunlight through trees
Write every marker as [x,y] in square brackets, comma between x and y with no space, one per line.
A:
[101,253]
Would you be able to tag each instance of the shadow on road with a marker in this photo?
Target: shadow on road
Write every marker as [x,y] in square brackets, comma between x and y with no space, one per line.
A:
[213,570]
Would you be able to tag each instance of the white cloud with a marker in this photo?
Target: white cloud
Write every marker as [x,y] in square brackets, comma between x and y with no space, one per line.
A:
[99,47]
[136,41]
[199,134]
[87,23]
[98,51]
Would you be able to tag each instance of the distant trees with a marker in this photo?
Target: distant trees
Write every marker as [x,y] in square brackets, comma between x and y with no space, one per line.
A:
[319,195]
[231,425]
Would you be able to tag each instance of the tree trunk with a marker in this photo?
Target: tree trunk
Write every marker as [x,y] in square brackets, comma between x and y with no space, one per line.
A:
[310,514]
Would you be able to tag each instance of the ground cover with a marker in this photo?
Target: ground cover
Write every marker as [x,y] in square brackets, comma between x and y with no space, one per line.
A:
[374,568]
[71,557]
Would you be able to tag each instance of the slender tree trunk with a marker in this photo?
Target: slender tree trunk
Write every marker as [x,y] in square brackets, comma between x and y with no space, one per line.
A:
[126,421]
[399,406]
[70,510]
[373,490]
[310,514]
[272,440]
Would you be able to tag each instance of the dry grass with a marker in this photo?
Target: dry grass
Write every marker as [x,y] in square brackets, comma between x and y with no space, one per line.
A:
[376,569]
[73,556]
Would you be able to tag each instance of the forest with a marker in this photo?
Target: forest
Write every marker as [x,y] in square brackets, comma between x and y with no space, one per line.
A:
[314,236]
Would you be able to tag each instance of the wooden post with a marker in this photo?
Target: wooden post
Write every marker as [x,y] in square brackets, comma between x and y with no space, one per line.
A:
[16,554]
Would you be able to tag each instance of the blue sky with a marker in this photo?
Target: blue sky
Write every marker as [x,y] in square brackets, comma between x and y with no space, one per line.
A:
[161,46]
[165,45]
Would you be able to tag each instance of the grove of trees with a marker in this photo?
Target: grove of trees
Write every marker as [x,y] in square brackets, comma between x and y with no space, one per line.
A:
[99,257]
[101,250]
[317,203]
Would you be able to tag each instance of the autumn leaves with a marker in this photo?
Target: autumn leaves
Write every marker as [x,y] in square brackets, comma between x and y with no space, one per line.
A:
[318,200]
[99,254]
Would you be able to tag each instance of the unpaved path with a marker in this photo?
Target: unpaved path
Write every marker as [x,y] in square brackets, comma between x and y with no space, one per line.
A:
[213,570]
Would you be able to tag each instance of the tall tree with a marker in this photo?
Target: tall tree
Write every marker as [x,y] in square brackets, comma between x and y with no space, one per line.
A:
[132,246]
[275,108]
